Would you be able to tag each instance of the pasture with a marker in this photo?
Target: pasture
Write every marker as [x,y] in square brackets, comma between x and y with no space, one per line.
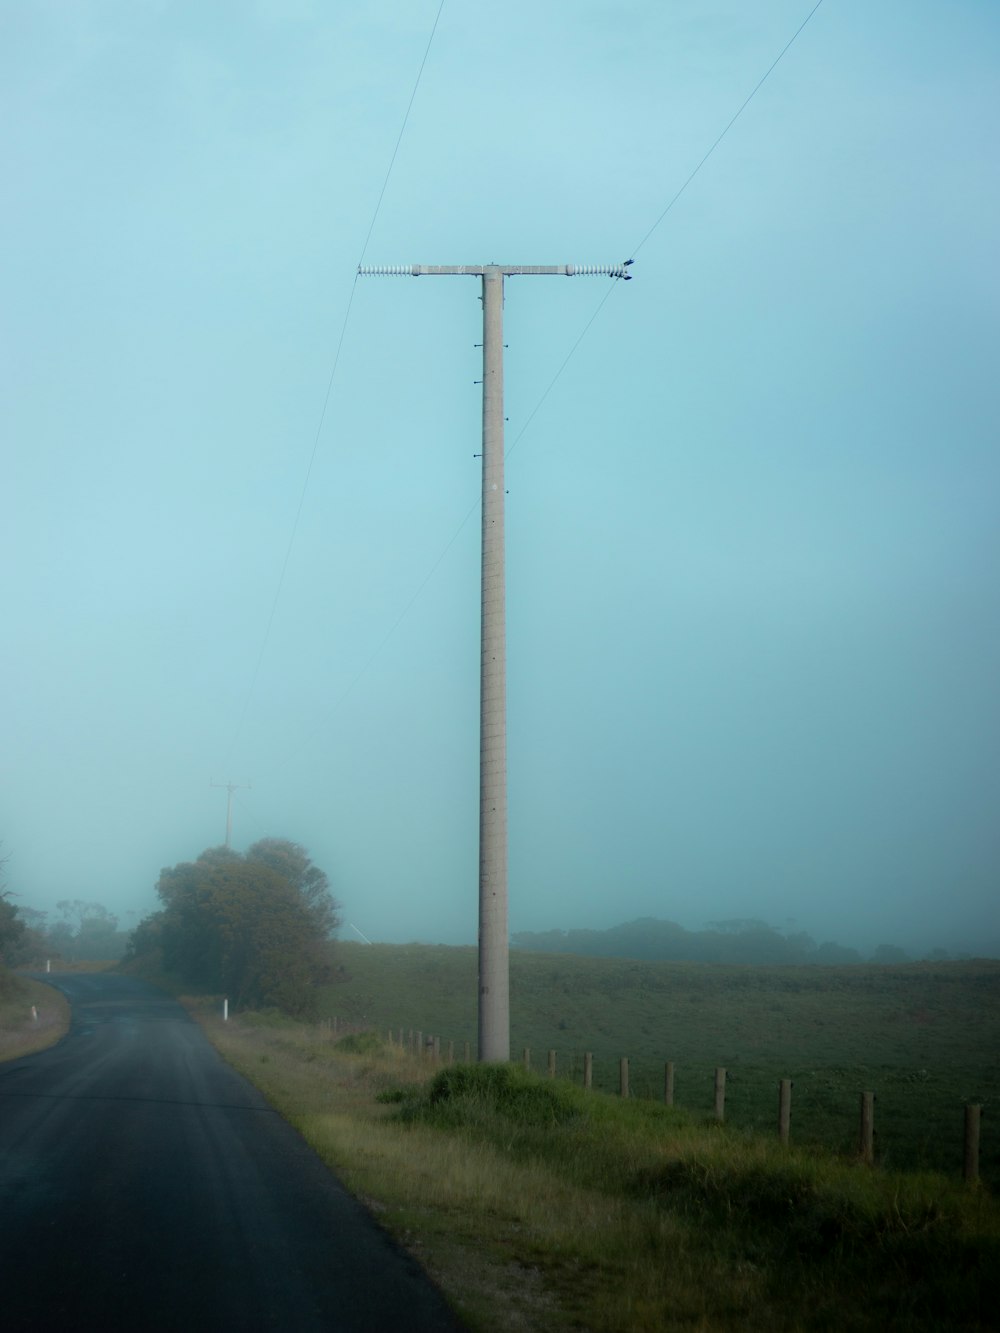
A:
[924,1037]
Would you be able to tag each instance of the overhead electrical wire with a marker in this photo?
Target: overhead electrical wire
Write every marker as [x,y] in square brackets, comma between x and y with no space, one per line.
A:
[572,351]
[739,112]
[326,399]
[603,301]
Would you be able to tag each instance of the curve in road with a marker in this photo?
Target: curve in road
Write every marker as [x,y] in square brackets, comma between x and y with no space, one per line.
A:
[145,1185]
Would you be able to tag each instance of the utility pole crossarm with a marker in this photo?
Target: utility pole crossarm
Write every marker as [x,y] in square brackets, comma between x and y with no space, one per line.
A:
[508,270]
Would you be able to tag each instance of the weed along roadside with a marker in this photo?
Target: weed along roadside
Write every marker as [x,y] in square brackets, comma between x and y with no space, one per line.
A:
[538,1204]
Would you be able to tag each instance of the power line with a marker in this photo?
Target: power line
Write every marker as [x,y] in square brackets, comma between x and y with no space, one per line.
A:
[326,400]
[406,609]
[729,125]
[567,359]
[572,351]
[743,106]
[399,140]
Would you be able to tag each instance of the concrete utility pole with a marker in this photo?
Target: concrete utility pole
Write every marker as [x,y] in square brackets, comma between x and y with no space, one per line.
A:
[230,787]
[494,977]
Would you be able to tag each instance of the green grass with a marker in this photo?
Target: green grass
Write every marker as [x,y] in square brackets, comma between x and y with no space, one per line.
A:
[924,1037]
[537,1205]
[21,1033]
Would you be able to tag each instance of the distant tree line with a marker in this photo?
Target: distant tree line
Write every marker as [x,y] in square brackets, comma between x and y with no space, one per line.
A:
[741,940]
[82,932]
[255,927]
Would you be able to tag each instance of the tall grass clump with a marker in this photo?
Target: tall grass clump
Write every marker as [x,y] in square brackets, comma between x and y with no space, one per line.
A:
[464,1094]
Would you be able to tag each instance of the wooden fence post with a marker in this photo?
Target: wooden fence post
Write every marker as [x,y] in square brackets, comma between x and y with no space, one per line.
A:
[623,1076]
[451,1052]
[668,1083]
[552,1064]
[588,1069]
[784,1109]
[866,1136]
[420,1044]
[334,1022]
[400,1038]
[436,1050]
[720,1094]
[973,1115]
[468,1053]
[412,1046]
[526,1058]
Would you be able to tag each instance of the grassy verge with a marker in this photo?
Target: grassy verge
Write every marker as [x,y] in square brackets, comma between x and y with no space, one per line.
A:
[22,1032]
[538,1206]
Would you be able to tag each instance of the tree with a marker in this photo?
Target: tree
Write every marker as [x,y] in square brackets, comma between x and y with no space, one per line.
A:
[97,935]
[255,927]
[31,946]
[11,929]
[292,862]
[890,953]
[835,955]
[87,931]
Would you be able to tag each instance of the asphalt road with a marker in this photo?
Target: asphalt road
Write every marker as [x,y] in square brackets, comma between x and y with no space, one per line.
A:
[145,1185]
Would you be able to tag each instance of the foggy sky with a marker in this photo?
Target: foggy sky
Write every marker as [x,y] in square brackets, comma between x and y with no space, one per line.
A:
[753,625]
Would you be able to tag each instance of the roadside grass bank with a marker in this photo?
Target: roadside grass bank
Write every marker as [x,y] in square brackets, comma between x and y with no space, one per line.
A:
[23,1032]
[536,1205]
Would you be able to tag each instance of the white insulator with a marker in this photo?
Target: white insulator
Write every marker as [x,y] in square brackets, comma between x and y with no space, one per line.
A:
[602,270]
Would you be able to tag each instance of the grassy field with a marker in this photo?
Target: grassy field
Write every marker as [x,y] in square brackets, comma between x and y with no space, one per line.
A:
[924,1037]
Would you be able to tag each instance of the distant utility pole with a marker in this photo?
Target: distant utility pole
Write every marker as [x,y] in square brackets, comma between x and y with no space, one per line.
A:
[230,787]
[494,973]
